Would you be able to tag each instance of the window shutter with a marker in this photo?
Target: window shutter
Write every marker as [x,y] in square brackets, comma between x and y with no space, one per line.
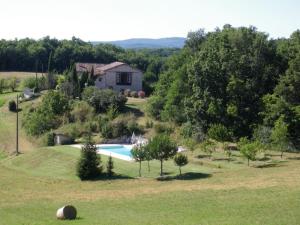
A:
[129,77]
[118,78]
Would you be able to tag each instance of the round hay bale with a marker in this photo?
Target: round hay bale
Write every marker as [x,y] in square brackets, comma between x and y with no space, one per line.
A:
[67,212]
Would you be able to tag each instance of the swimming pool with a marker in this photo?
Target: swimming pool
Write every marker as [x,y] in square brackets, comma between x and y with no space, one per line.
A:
[117,151]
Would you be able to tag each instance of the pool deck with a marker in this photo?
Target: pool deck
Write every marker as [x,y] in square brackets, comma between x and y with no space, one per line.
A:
[108,153]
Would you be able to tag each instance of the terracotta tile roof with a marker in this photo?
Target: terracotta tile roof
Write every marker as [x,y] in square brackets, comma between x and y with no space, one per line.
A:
[111,66]
[99,69]
[87,67]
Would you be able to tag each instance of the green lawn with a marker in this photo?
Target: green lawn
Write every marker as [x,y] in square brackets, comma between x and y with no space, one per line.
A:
[35,184]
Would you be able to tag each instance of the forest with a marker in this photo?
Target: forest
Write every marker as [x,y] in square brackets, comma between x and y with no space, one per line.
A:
[233,83]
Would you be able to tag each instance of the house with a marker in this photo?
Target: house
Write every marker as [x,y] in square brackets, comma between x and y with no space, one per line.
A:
[118,76]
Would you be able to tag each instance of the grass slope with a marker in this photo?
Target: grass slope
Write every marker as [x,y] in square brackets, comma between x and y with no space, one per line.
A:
[8,127]
[35,184]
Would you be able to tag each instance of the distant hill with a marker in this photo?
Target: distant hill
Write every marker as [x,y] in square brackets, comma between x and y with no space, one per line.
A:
[136,43]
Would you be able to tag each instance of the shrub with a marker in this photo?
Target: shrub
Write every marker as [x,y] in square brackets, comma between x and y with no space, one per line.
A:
[127,92]
[89,164]
[134,94]
[102,99]
[112,112]
[31,83]
[110,167]
[249,149]
[180,160]
[12,83]
[119,127]
[12,106]
[48,139]
[106,130]
[149,124]
[133,126]
[155,106]
[219,132]
[141,94]
[38,121]
[161,128]
[55,102]
[208,147]
[2,85]
[82,111]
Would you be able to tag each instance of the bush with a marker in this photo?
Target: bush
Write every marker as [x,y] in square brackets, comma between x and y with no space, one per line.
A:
[48,139]
[12,106]
[248,149]
[155,106]
[141,94]
[55,102]
[110,167]
[180,160]
[149,124]
[102,99]
[133,126]
[127,92]
[30,82]
[219,132]
[118,128]
[37,121]
[106,130]
[3,85]
[82,111]
[134,94]
[161,128]
[89,165]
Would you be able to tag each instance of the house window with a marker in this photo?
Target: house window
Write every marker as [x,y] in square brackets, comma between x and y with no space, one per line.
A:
[123,78]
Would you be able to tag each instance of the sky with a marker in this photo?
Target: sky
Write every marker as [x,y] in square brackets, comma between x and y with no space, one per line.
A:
[108,20]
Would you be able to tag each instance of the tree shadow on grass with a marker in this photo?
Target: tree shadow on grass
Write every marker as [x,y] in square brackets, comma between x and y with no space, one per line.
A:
[135,111]
[185,176]
[105,177]
[223,159]
[269,165]
[203,156]
[294,158]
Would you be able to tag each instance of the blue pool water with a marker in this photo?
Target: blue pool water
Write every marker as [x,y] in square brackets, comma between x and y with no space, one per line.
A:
[118,149]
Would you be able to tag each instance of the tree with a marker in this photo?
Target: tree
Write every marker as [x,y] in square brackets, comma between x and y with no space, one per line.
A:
[279,135]
[191,143]
[162,148]
[110,167]
[50,76]
[180,160]
[138,152]
[248,149]
[12,83]
[55,102]
[89,165]
[2,85]
[219,132]
[73,79]
[208,147]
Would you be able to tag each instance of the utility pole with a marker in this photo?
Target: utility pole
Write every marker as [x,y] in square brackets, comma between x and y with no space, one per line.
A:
[17,137]
[36,79]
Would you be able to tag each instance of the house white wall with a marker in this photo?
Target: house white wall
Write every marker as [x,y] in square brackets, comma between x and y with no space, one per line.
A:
[109,79]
